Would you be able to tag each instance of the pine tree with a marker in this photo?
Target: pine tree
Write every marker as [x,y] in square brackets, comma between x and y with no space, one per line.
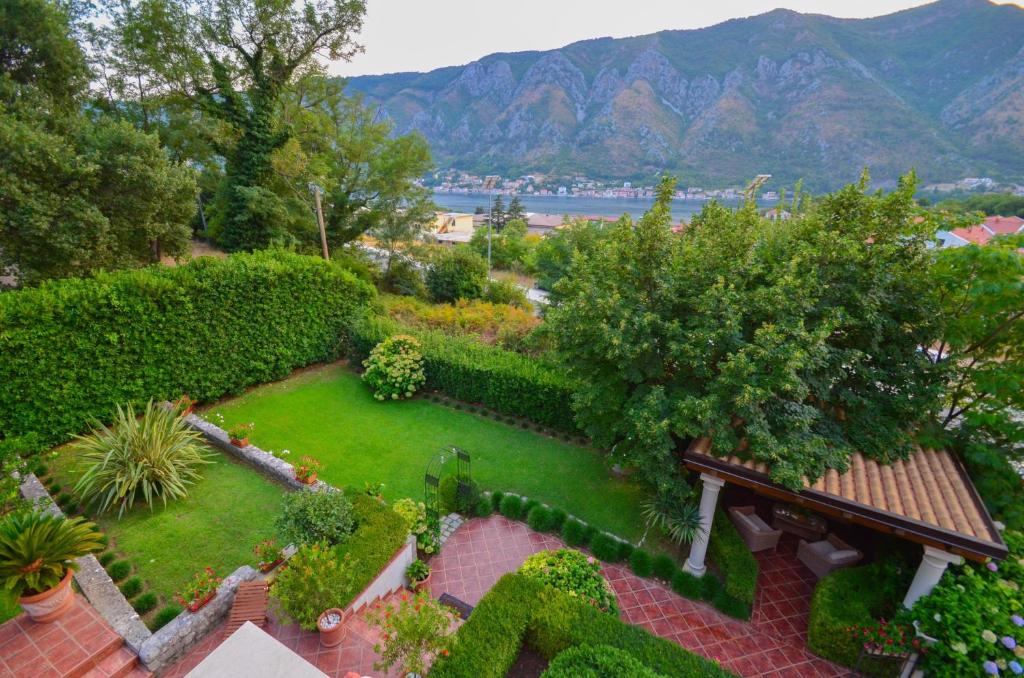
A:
[515,210]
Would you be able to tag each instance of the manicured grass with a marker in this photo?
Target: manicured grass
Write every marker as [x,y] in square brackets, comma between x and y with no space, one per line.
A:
[329,414]
[226,512]
[9,607]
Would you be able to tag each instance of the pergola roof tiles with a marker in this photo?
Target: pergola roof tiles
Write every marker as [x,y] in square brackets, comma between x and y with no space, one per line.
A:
[926,498]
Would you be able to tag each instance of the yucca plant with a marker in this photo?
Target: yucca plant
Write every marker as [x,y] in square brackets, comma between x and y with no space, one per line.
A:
[37,549]
[672,512]
[153,456]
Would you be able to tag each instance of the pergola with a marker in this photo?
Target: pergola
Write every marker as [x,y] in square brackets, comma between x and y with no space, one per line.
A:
[927,498]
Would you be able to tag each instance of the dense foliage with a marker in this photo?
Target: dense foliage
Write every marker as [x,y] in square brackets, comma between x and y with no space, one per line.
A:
[474,372]
[509,245]
[312,517]
[37,549]
[590,661]
[414,632]
[394,368]
[456,273]
[379,533]
[575,573]
[209,328]
[518,610]
[1001,204]
[553,257]
[152,456]
[734,560]
[314,579]
[494,323]
[793,342]
[977,614]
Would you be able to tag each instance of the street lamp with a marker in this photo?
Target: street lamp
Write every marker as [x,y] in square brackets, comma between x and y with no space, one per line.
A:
[490,181]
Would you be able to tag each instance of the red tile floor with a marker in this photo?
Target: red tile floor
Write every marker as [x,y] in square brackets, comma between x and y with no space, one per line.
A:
[771,644]
[354,654]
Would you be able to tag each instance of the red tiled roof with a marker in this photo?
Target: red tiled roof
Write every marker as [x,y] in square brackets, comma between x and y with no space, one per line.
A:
[1004,225]
[979,235]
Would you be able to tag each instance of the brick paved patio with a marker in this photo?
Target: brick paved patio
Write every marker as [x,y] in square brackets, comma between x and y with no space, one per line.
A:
[772,644]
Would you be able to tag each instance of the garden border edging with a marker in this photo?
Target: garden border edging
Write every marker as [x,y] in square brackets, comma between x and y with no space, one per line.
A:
[96,585]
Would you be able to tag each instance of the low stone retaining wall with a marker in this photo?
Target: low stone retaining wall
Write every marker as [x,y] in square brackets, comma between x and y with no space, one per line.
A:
[170,643]
[94,582]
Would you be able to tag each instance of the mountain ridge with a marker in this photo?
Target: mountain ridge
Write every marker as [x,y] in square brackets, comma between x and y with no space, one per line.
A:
[938,87]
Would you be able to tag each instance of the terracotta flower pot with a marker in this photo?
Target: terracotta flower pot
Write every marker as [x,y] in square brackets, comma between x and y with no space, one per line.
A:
[308,480]
[50,605]
[331,624]
[239,442]
[423,584]
[196,605]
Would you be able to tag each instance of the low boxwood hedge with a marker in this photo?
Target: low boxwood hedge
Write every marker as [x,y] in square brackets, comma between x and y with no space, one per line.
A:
[596,661]
[518,610]
[474,372]
[379,533]
[737,564]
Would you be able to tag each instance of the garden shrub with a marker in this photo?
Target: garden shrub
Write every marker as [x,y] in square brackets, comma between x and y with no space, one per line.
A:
[573,572]
[310,517]
[664,567]
[596,661]
[640,563]
[528,505]
[834,610]
[469,370]
[557,519]
[496,499]
[625,550]
[977,614]
[539,519]
[166,615]
[107,558]
[605,547]
[733,559]
[119,570]
[517,610]
[148,457]
[574,533]
[484,507]
[490,322]
[145,602]
[403,277]
[461,498]
[511,507]
[394,369]
[132,587]
[456,273]
[688,586]
[316,579]
[208,328]
[55,488]
[505,292]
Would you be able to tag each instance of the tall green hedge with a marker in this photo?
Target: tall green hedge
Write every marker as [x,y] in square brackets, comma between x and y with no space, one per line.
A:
[471,371]
[74,348]
[734,560]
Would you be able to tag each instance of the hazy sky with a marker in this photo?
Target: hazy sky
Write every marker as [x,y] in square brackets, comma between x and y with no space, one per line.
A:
[420,35]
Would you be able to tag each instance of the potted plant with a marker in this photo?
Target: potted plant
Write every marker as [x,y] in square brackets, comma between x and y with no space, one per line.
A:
[331,625]
[306,470]
[268,555]
[418,574]
[184,405]
[201,590]
[37,557]
[239,434]
[311,589]
[413,634]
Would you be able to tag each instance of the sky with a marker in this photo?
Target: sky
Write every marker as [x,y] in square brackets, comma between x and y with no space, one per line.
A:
[421,35]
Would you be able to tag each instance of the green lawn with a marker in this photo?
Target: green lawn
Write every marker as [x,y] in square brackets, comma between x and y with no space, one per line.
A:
[329,414]
[226,512]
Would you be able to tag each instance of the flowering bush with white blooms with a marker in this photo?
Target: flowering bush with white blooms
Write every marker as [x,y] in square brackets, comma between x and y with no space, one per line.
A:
[574,572]
[977,614]
[394,368]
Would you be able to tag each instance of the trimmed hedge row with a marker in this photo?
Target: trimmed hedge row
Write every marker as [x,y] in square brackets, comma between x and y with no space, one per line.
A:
[737,564]
[518,609]
[596,661]
[379,533]
[845,598]
[73,349]
[471,371]
[612,549]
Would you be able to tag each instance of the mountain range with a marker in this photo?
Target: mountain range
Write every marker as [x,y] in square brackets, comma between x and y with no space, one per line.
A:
[938,88]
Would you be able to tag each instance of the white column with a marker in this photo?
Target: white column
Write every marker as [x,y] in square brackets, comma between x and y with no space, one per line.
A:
[929,572]
[708,500]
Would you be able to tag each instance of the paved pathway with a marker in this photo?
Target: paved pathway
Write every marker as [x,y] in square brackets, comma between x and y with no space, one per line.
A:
[771,644]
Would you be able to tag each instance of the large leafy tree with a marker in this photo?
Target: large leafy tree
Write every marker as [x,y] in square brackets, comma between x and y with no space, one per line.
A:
[240,58]
[76,194]
[793,343]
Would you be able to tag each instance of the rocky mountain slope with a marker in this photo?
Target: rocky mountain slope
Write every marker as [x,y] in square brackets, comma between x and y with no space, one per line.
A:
[938,87]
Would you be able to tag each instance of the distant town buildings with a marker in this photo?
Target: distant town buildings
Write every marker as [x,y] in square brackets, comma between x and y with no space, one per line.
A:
[981,233]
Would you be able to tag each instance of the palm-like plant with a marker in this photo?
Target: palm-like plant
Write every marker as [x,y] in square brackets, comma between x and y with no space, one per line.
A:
[155,455]
[37,549]
[671,511]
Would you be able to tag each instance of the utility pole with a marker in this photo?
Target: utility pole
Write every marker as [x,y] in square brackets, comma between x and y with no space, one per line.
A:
[490,181]
[320,220]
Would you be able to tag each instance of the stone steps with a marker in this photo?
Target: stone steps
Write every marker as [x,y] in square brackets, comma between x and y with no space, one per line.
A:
[117,664]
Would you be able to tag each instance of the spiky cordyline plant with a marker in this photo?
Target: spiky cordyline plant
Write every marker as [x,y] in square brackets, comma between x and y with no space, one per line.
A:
[678,520]
[152,456]
[37,549]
